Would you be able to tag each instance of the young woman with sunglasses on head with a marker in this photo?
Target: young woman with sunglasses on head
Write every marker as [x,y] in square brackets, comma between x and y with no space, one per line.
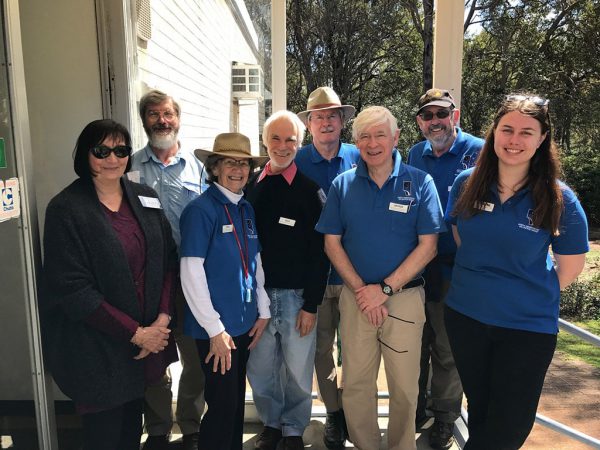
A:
[502,307]
[109,268]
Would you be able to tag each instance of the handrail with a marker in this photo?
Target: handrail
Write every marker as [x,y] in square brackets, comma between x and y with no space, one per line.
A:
[541,419]
[579,332]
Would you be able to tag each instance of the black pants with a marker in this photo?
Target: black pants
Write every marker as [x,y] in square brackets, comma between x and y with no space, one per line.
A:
[502,372]
[114,429]
[222,425]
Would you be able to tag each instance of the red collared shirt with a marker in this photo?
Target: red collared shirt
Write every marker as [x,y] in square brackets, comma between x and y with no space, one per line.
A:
[288,174]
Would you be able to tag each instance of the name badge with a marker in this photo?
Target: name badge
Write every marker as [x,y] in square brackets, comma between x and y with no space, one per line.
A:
[286,221]
[399,208]
[485,206]
[150,202]
[227,228]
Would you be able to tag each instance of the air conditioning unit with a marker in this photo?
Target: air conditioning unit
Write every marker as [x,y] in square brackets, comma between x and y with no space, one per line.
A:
[247,81]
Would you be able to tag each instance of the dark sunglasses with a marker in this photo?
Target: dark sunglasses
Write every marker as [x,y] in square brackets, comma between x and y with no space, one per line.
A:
[538,101]
[440,114]
[102,151]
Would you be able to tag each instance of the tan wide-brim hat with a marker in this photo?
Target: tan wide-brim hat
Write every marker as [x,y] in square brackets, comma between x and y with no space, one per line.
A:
[324,98]
[232,145]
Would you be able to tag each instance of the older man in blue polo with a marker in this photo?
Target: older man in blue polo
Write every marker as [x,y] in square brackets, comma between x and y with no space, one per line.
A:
[381,223]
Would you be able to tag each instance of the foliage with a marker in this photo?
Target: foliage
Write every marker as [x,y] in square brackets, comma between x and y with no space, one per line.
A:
[573,346]
[581,300]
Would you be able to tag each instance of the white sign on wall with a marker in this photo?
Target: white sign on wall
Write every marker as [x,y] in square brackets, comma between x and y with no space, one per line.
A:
[11,203]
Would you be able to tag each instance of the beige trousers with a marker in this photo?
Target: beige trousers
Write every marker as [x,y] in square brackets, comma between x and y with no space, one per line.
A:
[398,340]
[328,319]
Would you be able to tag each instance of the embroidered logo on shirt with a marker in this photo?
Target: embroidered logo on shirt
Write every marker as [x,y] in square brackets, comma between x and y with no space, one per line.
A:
[466,161]
[406,185]
[250,226]
[529,226]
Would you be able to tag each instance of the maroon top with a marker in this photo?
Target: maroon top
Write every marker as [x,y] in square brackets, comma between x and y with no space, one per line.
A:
[115,322]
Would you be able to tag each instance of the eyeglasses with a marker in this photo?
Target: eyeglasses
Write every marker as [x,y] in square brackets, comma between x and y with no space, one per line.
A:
[231,163]
[440,114]
[538,101]
[155,115]
[102,151]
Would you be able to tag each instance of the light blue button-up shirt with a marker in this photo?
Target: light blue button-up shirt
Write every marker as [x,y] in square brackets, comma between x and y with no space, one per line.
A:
[176,184]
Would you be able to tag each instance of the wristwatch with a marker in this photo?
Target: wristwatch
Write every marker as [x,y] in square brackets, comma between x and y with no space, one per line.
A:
[386,289]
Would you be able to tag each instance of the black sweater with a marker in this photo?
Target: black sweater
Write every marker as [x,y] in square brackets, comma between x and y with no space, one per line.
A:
[293,257]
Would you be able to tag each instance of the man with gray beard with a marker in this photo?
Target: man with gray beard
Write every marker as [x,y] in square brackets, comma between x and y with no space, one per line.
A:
[175,175]
[445,152]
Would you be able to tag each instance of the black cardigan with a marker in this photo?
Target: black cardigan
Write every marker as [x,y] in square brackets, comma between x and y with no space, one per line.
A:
[84,264]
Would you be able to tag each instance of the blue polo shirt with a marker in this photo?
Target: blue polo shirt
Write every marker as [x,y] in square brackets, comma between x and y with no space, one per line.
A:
[310,162]
[176,184]
[444,169]
[206,233]
[381,227]
[503,274]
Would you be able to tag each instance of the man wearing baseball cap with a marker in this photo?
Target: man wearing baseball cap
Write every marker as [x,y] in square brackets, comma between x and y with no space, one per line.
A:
[323,160]
[445,152]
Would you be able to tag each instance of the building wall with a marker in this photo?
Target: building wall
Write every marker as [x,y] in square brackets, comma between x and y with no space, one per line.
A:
[189,56]
[62,77]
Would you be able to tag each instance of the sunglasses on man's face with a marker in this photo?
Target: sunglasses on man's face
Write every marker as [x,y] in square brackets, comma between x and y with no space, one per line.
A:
[440,114]
[102,151]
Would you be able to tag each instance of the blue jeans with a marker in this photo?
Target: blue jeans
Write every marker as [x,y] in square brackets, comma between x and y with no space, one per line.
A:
[280,368]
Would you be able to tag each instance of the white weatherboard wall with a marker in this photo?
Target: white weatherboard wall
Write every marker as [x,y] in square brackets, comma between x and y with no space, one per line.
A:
[189,56]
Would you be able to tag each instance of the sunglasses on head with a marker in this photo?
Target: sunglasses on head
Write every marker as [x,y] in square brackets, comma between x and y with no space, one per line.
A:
[102,151]
[440,114]
[538,101]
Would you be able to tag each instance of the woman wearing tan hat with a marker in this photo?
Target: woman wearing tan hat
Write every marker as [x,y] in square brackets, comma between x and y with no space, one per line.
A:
[222,279]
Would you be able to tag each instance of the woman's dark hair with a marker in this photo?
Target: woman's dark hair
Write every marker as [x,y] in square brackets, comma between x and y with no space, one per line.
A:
[544,167]
[94,134]
[212,161]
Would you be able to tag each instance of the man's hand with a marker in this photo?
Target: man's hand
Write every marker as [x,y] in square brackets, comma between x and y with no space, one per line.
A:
[305,322]
[220,347]
[257,331]
[377,316]
[369,297]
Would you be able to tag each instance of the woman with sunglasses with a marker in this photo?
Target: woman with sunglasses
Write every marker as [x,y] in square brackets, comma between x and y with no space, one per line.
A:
[223,282]
[503,303]
[109,268]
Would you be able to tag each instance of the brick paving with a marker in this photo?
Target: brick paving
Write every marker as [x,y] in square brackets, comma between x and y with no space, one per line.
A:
[571,395]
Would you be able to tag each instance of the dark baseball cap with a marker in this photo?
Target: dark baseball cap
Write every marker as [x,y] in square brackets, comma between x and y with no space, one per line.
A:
[436,97]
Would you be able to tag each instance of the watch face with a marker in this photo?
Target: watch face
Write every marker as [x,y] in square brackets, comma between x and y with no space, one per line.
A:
[387,290]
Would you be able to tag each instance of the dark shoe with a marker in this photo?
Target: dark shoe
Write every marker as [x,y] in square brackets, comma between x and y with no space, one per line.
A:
[291,443]
[442,435]
[190,441]
[160,442]
[334,433]
[268,439]
[420,421]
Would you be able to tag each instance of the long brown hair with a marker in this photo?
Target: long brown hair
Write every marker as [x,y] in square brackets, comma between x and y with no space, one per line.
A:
[544,168]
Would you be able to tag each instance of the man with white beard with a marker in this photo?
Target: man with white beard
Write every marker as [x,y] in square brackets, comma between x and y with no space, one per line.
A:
[175,174]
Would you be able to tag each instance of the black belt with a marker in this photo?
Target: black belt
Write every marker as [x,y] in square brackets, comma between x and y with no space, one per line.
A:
[414,283]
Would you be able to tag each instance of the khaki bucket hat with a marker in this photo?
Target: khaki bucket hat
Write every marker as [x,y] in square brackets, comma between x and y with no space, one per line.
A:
[232,145]
[324,98]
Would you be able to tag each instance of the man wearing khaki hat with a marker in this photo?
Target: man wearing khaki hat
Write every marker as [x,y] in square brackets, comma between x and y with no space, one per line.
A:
[445,152]
[323,160]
